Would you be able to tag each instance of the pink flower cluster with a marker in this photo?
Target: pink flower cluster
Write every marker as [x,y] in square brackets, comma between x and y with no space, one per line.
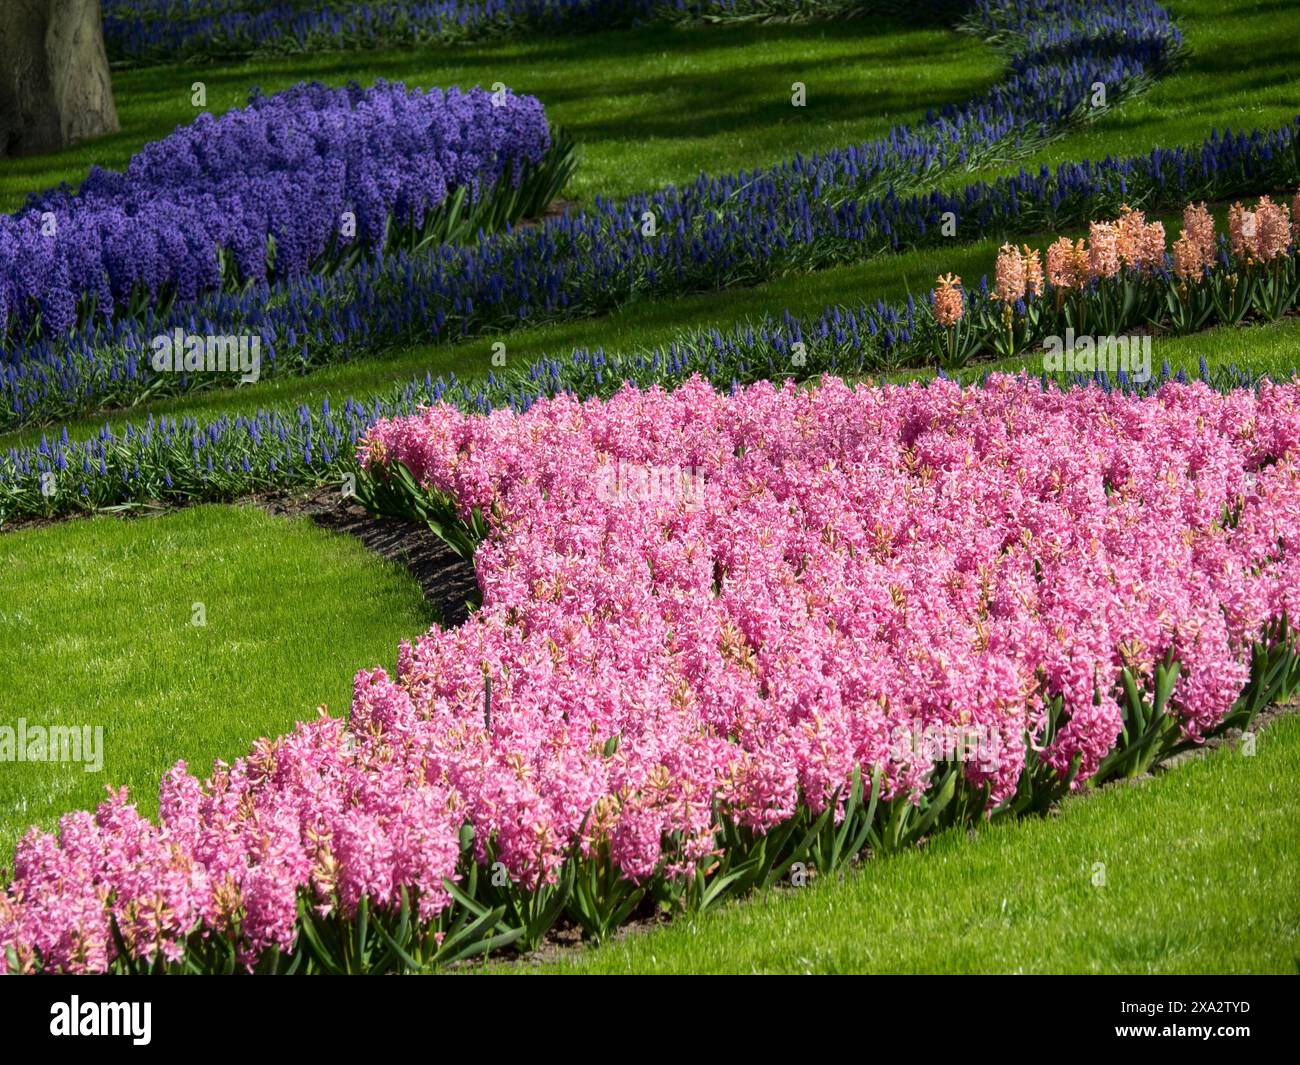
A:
[330,811]
[858,561]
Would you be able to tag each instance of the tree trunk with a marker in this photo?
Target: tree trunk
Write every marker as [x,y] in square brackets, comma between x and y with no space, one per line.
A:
[54,81]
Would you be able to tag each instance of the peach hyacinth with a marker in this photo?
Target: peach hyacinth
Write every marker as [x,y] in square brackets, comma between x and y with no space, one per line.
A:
[1010,279]
[948,303]
[1067,264]
[1033,271]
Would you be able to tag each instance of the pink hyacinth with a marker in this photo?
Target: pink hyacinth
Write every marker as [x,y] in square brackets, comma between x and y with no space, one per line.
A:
[854,565]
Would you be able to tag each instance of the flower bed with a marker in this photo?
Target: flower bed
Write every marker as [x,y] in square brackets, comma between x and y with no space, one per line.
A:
[733,229]
[196,210]
[720,633]
[1123,276]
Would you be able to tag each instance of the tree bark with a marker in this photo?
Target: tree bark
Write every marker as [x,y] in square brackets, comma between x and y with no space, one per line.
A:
[54,82]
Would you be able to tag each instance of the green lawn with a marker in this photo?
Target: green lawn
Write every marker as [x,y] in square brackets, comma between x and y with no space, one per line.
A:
[1199,876]
[96,629]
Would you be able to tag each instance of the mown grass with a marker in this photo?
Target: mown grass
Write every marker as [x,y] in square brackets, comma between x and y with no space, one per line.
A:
[1242,71]
[1192,871]
[96,628]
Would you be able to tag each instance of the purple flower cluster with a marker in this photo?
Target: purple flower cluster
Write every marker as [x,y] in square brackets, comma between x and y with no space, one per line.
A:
[259,192]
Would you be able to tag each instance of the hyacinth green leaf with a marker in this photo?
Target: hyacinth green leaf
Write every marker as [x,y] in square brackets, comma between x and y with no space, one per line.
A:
[559,899]
[361,932]
[395,948]
[870,819]
[839,852]
[716,887]
[1166,678]
[779,870]
[324,957]
[1134,724]
[774,844]
[624,911]
[400,935]
[936,805]
[467,901]
[471,939]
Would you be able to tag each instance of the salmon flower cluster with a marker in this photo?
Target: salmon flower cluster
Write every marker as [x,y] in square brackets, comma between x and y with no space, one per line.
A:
[1260,235]
[1124,275]
[1196,248]
[948,303]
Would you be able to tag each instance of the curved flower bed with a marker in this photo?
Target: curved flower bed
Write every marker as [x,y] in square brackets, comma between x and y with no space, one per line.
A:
[728,230]
[198,207]
[720,633]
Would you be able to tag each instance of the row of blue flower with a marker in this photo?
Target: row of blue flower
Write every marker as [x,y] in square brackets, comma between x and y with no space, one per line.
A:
[733,229]
[203,202]
[167,30]
[559,271]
